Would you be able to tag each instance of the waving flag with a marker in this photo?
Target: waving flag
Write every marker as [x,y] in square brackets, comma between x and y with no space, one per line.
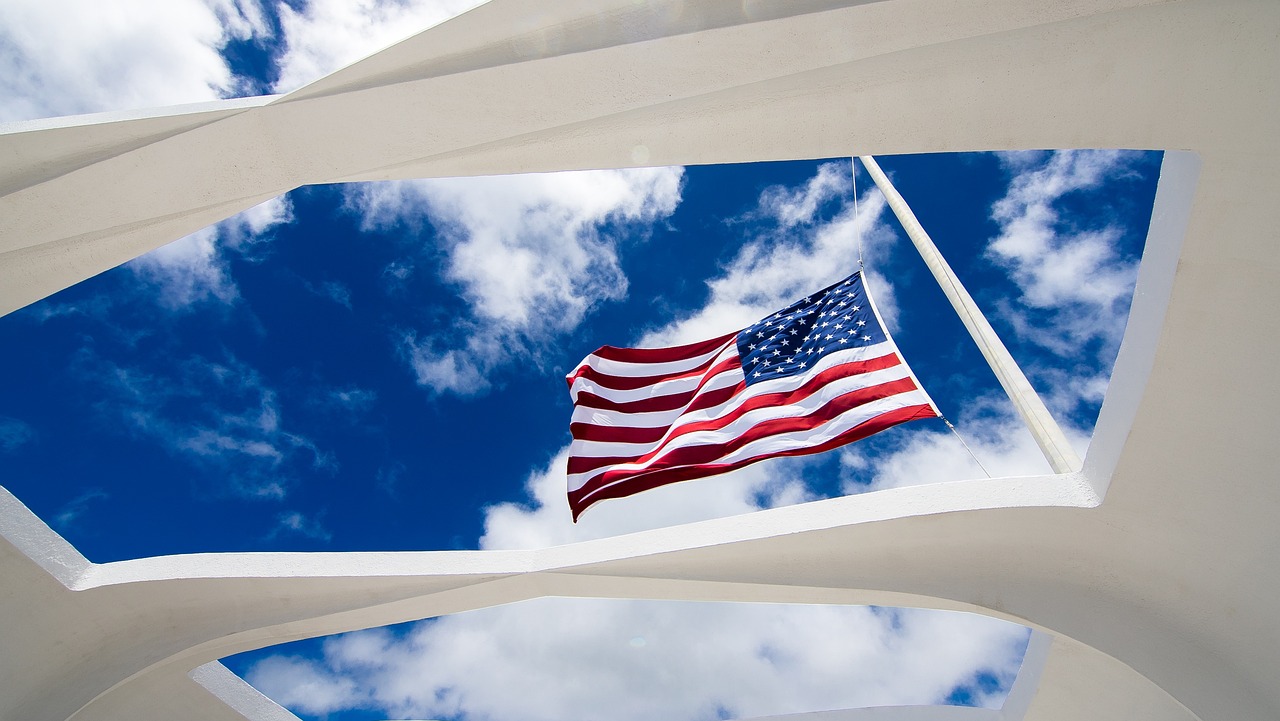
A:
[816,375]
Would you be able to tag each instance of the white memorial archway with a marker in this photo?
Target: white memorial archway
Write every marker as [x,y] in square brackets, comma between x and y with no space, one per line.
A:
[1149,576]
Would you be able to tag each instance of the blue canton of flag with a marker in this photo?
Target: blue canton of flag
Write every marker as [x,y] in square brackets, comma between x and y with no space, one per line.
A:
[795,338]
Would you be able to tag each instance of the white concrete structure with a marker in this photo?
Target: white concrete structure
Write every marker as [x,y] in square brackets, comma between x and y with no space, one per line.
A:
[1150,575]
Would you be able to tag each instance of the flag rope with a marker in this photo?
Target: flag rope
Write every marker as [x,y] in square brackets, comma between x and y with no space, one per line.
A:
[853,182]
[966,446]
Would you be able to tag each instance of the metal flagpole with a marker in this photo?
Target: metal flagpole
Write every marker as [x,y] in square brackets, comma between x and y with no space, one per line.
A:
[1053,443]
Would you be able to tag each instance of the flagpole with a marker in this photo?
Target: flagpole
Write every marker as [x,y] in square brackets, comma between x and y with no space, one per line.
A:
[1053,443]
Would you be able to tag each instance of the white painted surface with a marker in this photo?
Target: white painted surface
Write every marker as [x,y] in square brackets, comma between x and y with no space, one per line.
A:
[1153,569]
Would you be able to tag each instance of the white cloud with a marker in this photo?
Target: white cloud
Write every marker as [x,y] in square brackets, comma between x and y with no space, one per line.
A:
[796,206]
[330,290]
[531,255]
[64,57]
[528,250]
[250,225]
[297,684]
[297,523]
[72,510]
[195,269]
[325,35]
[457,371]
[61,57]
[799,254]
[348,400]
[188,271]
[1074,288]
[568,659]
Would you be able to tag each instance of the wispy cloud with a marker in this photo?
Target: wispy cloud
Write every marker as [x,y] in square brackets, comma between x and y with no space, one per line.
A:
[330,290]
[460,371]
[14,434]
[296,523]
[219,416]
[73,510]
[188,271]
[346,400]
[789,207]
[796,250]
[1074,285]
[64,57]
[196,269]
[531,256]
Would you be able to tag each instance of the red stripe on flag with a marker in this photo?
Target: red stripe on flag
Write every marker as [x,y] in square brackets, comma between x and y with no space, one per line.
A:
[583,497]
[661,403]
[630,383]
[663,355]
[624,434]
[774,426]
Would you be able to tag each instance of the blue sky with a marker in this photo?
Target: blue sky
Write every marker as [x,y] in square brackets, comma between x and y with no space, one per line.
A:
[380,367]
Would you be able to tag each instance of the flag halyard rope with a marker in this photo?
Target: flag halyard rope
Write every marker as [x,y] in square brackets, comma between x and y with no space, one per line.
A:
[966,446]
[857,232]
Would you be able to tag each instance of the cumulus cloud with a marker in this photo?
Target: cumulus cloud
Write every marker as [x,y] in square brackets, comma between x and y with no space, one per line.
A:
[530,254]
[187,271]
[296,684]
[219,416]
[1074,286]
[796,251]
[790,207]
[324,35]
[61,57]
[65,57]
[196,269]
[568,659]
[460,371]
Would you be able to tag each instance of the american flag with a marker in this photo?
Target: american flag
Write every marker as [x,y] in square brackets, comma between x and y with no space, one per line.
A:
[816,375]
